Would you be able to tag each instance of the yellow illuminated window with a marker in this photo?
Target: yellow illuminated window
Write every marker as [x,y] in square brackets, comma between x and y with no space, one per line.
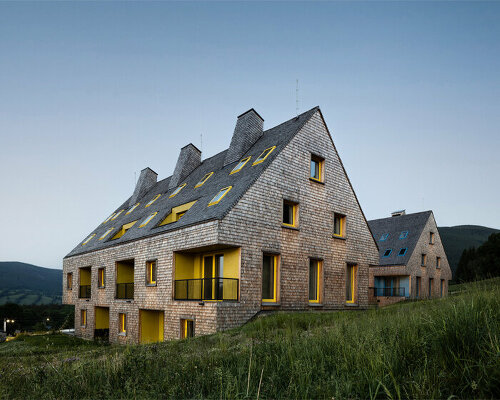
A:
[187,328]
[204,179]
[123,230]
[107,219]
[151,273]
[240,165]
[152,200]
[147,220]
[317,164]
[177,213]
[122,320]
[101,280]
[219,196]
[83,318]
[88,239]
[264,155]
[350,296]
[315,270]
[269,278]
[176,191]
[117,215]
[69,280]
[106,233]
[338,225]
[289,213]
[132,208]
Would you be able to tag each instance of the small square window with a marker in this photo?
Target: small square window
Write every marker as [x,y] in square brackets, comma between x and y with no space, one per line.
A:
[83,318]
[431,237]
[387,252]
[402,251]
[147,220]
[338,225]
[151,273]
[264,155]
[122,321]
[219,196]
[176,191]
[384,237]
[187,328]
[317,167]
[152,200]
[69,280]
[240,165]
[403,235]
[423,260]
[101,278]
[289,213]
[438,262]
[204,179]
[88,239]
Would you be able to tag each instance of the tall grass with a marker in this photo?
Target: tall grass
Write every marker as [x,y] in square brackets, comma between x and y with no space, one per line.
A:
[428,349]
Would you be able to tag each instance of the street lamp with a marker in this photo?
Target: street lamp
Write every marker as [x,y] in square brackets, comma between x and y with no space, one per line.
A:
[5,322]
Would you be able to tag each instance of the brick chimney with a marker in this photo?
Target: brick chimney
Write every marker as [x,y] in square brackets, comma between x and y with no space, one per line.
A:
[146,181]
[189,159]
[249,128]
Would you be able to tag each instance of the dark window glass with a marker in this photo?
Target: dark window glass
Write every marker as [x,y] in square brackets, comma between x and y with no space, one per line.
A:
[387,252]
[313,279]
[287,213]
[268,277]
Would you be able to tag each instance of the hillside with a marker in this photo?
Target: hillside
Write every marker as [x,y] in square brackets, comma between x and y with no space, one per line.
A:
[23,283]
[458,238]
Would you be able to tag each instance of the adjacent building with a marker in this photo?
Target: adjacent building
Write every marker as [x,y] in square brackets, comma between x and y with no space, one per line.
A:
[412,260]
[271,223]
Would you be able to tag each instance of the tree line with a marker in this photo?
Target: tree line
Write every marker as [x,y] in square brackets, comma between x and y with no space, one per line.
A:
[480,263]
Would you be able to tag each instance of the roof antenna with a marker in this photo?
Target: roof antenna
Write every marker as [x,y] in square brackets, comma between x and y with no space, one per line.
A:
[297,98]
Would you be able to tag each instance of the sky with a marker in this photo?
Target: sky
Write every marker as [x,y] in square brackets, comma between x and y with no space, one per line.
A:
[93,92]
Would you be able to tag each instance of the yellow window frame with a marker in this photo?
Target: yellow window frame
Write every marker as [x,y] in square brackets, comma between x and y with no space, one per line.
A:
[274,257]
[100,278]
[204,179]
[122,319]
[88,239]
[212,256]
[176,191]
[152,200]
[352,282]
[321,163]
[69,281]
[83,318]
[106,233]
[238,167]
[294,213]
[342,225]
[216,200]
[117,215]
[123,230]
[149,266]
[132,208]
[184,325]
[148,219]
[319,267]
[176,213]
[264,155]
[107,219]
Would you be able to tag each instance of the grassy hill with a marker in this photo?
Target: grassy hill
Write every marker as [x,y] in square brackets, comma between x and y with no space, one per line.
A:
[443,348]
[27,284]
[458,238]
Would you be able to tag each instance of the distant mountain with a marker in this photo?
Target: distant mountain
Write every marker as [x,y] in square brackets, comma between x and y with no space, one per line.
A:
[458,238]
[23,283]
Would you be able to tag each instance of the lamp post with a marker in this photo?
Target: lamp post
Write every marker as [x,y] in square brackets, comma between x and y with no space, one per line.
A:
[5,322]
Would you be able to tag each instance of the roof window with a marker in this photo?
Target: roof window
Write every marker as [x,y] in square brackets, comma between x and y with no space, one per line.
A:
[152,200]
[384,237]
[117,215]
[107,219]
[204,179]
[264,155]
[403,235]
[240,165]
[147,220]
[387,252]
[219,196]
[176,191]
[88,239]
[132,208]
[402,251]
[177,213]
[123,230]
[106,233]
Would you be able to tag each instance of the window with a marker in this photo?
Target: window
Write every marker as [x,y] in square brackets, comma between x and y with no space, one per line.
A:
[317,164]
[387,252]
[402,251]
[147,220]
[403,235]
[384,237]
[88,239]
[350,287]
[132,208]
[338,225]
[431,281]
[187,328]
[431,237]
[117,215]
[442,287]
[213,268]
[69,280]
[123,230]
[269,278]
[438,262]
[418,286]
[204,179]
[107,219]
[264,155]
[122,321]
[151,273]
[152,200]
[176,191]
[289,213]
[240,165]
[177,213]
[106,233]
[219,196]
[101,278]
[315,270]
[83,318]
[423,260]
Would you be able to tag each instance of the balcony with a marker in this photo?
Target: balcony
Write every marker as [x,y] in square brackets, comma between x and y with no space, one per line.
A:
[217,289]
[389,292]
[84,292]
[125,291]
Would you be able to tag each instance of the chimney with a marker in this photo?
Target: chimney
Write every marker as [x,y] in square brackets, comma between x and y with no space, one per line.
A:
[146,181]
[189,159]
[248,130]
[398,213]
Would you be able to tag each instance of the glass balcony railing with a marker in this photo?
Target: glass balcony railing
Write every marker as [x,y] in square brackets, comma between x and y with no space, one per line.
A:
[225,289]
[389,292]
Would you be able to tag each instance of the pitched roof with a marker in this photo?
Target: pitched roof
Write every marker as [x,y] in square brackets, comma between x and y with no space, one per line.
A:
[278,136]
[394,226]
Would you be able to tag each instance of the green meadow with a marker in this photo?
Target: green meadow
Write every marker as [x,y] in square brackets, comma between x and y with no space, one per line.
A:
[442,348]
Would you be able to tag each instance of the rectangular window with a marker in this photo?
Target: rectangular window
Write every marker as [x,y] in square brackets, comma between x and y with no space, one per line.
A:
[402,251]
[106,233]
[403,235]
[88,239]
[176,191]
[123,230]
[431,281]
[269,278]
[176,213]
[132,208]
[240,165]
[187,328]
[423,260]
[107,219]
[69,280]
[147,220]
[83,318]
[152,200]
[151,273]
[350,287]
[438,262]
[384,237]
[317,164]
[387,252]
[442,287]
[431,237]
[204,179]
[315,271]
[213,268]
[117,215]
[122,321]
[418,288]
[219,196]
[264,155]
[338,225]
[101,279]
[289,213]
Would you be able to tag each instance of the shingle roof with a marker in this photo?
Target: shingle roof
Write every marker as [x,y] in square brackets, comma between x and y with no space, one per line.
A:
[394,226]
[278,136]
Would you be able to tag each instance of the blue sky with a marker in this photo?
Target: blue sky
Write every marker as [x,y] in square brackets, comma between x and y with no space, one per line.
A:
[91,93]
